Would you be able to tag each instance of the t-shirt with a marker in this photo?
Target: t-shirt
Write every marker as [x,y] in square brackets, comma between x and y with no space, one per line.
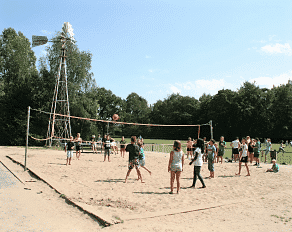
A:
[123,142]
[70,145]
[142,155]
[268,144]
[222,145]
[211,151]
[235,144]
[199,160]
[133,151]
[244,150]
[107,144]
[257,147]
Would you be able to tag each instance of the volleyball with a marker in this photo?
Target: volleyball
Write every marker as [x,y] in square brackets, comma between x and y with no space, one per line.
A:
[115,117]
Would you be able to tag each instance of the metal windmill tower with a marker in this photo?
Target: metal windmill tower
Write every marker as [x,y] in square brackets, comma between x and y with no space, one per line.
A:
[59,127]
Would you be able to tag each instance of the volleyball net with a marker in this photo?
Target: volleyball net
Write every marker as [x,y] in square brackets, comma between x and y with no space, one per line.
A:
[88,127]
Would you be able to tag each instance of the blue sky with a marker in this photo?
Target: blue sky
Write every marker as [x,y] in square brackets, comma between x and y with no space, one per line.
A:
[158,47]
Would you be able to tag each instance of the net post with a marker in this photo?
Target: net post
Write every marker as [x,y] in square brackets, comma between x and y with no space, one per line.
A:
[27,132]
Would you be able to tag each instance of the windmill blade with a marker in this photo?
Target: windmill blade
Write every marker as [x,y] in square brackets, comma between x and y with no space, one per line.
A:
[39,40]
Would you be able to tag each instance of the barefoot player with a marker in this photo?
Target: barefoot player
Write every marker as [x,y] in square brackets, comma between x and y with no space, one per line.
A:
[243,158]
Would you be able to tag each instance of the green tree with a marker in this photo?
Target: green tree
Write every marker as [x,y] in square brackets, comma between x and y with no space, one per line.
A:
[174,110]
[281,118]
[18,74]
[221,111]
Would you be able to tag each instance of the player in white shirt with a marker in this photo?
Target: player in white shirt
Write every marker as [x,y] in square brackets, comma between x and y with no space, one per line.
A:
[244,157]
[235,149]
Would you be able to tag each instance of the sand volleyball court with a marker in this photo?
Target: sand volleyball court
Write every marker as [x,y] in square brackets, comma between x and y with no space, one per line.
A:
[261,202]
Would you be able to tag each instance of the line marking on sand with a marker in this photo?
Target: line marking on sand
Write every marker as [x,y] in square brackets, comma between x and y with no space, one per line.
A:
[184,211]
[68,200]
[11,172]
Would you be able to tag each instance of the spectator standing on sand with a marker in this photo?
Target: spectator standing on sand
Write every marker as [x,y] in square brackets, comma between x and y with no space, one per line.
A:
[175,165]
[243,157]
[103,141]
[250,150]
[189,147]
[287,143]
[198,162]
[123,147]
[133,150]
[211,157]
[275,167]
[69,147]
[107,147]
[99,142]
[205,150]
[93,144]
[256,150]
[235,148]
[221,150]
[268,148]
[78,141]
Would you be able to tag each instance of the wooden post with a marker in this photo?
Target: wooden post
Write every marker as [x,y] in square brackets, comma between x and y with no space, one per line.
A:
[27,132]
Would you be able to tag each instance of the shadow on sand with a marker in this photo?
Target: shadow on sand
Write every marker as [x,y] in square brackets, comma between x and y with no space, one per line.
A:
[57,164]
[111,180]
[159,193]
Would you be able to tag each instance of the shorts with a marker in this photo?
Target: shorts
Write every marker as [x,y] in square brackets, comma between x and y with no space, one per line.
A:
[189,149]
[78,148]
[256,155]
[122,146]
[176,168]
[133,163]
[244,159]
[210,165]
[235,151]
[250,149]
[142,162]
[69,154]
[220,153]
[106,152]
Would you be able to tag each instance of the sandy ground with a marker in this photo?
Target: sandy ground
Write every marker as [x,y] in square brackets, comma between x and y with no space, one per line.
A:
[261,202]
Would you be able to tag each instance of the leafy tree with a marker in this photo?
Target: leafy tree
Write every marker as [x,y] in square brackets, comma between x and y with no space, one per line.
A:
[174,110]
[17,77]
[221,112]
[281,118]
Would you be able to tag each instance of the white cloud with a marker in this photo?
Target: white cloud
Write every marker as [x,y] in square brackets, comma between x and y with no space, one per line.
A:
[174,89]
[198,87]
[211,84]
[150,70]
[269,82]
[147,57]
[278,48]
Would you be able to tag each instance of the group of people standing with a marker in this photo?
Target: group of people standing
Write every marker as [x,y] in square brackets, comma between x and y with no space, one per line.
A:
[70,146]
[198,148]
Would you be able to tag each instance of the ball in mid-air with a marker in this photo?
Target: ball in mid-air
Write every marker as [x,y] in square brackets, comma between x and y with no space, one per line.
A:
[115,117]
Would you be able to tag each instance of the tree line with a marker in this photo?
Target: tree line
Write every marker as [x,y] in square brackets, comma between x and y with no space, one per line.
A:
[250,110]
